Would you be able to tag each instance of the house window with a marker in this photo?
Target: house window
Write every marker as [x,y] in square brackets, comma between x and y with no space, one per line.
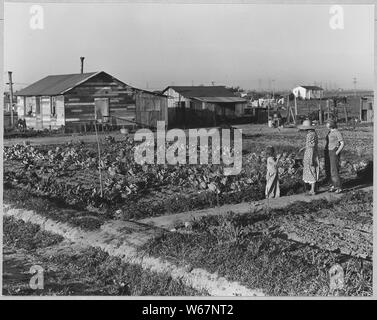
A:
[30,103]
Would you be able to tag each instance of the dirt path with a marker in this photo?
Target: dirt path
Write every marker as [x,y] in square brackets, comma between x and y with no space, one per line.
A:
[170,221]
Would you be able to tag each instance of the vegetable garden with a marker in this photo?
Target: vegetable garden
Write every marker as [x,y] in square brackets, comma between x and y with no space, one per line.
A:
[69,173]
[284,251]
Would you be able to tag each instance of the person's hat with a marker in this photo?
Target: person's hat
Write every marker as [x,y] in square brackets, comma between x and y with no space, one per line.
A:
[306,125]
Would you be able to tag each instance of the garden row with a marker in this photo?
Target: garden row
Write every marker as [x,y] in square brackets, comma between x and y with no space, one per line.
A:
[69,173]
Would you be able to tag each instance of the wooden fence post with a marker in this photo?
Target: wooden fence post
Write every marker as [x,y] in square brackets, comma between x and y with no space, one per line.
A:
[345,113]
[361,108]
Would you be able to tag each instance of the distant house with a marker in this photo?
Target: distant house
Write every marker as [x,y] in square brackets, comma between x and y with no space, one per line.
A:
[71,100]
[308,92]
[207,105]
[366,108]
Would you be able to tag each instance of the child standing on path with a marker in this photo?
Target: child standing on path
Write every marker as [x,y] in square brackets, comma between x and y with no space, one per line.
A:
[272,176]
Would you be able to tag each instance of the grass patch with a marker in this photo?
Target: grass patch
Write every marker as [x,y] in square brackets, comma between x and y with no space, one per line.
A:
[73,270]
[54,210]
[26,235]
[239,248]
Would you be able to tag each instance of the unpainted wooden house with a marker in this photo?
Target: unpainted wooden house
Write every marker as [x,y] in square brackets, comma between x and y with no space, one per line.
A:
[71,99]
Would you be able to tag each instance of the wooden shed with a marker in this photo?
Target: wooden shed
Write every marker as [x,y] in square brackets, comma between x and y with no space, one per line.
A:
[150,108]
[71,100]
[203,105]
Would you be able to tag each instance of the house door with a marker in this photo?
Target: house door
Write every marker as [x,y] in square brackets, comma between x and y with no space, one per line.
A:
[102,109]
[364,115]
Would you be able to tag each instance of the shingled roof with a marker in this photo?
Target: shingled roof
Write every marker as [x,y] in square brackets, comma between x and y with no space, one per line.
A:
[202,91]
[55,84]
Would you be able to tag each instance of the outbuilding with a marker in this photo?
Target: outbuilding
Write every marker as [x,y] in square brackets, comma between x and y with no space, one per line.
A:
[203,105]
[308,92]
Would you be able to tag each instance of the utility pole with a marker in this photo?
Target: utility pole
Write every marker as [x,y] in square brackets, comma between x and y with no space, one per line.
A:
[273,89]
[354,86]
[11,97]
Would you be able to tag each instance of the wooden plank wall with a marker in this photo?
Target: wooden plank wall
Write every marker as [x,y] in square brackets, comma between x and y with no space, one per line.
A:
[79,102]
[59,110]
[151,108]
[204,114]
[21,106]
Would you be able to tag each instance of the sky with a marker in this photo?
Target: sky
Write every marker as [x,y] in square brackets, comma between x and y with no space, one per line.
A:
[156,45]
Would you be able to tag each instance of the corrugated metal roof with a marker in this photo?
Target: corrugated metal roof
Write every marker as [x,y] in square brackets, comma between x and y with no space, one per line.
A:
[220,99]
[202,91]
[312,87]
[55,84]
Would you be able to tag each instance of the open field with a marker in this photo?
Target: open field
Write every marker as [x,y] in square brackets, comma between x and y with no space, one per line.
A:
[284,251]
